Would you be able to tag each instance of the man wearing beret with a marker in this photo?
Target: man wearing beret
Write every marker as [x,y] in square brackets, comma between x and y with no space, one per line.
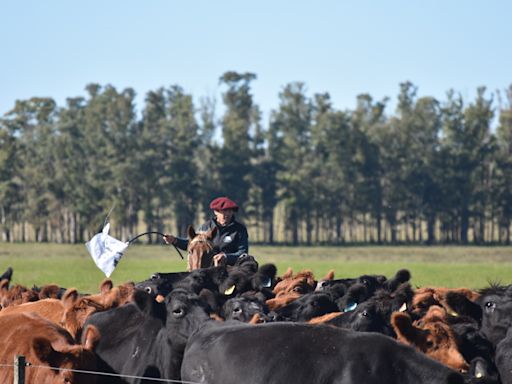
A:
[231,237]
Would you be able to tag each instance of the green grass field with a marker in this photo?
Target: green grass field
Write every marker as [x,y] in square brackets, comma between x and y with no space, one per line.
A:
[71,265]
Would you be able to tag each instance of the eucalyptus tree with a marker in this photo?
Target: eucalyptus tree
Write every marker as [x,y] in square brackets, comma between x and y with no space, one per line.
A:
[34,122]
[207,154]
[234,158]
[181,141]
[367,121]
[502,187]
[469,144]
[150,157]
[291,124]
[70,160]
[262,195]
[419,124]
[478,116]
[424,177]
[110,133]
[334,174]
[11,203]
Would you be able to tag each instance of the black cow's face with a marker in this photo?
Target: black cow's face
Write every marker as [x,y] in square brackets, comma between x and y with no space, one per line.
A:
[313,305]
[496,307]
[243,309]
[366,318]
[185,314]
[204,278]
[160,283]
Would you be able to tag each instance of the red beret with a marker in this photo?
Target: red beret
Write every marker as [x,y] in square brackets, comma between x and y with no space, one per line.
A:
[221,203]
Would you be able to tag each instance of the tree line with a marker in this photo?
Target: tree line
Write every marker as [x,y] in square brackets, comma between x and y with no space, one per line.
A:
[432,171]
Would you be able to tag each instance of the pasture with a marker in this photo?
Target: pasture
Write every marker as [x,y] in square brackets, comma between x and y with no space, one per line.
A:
[449,266]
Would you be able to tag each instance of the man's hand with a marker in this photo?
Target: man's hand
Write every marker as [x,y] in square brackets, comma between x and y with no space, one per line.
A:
[219,259]
[169,239]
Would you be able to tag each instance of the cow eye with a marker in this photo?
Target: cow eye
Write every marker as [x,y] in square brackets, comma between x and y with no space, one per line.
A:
[366,282]
[178,312]
[490,306]
[154,276]
[237,310]
[148,290]
[430,344]
[297,289]
[364,313]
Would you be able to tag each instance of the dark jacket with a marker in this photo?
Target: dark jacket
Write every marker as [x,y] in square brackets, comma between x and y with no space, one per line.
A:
[231,239]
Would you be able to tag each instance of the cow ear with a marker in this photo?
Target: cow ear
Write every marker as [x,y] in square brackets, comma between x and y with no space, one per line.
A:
[142,300]
[105,286]
[462,306]
[404,329]
[435,313]
[330,275]
[4,285]
[288,273]
[112,298]
[211,233]
[209,298]
[191,232]
[91,337]
[70,297]
[44,351]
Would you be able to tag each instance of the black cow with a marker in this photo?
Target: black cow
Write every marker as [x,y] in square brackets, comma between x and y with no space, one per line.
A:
[203,278]
[244,308]
[492,310]
[146,338]
[374,315]
[302,353]
[161,283]
[306,307]
[340,289]
[503,358]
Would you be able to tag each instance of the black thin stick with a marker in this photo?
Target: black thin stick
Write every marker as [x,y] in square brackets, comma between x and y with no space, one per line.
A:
[157,233]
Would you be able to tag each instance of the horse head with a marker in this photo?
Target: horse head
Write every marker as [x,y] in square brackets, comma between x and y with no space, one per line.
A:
[200,248]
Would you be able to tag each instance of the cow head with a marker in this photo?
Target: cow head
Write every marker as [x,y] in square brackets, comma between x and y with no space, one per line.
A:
[67,357]
[186,312]
[431,336]
[203,278]
[243,309]
[492,310]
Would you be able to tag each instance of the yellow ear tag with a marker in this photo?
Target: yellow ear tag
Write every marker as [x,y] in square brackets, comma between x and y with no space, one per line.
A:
[403,308]
[230,290]
[451,312]
[478,375]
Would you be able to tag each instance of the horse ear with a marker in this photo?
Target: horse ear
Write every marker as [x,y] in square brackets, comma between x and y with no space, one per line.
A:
[191,232]
[211,233]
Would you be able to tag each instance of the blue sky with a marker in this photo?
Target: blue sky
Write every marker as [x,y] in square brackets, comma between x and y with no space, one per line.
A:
[54,48]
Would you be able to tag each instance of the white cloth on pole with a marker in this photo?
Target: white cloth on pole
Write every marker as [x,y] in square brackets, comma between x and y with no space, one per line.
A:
[106,251]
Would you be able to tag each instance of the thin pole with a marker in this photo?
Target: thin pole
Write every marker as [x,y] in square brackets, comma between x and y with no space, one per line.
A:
[19,369]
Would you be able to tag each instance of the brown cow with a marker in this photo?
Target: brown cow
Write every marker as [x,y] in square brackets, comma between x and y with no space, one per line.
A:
[16,294]
[72,311]
[45,344]
[425,297]
[291,287]
[430,335]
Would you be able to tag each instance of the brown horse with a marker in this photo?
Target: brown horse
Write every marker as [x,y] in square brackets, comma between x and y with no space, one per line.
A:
[200,248]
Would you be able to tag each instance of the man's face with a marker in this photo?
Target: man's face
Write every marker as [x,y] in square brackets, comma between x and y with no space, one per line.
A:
[224,216]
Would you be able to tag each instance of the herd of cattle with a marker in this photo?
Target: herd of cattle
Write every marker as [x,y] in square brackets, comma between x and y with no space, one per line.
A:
[245,324]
